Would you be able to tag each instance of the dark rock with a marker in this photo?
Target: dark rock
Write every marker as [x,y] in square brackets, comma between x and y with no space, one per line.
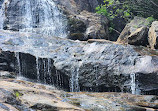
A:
[76,26]
[76,36]
[92,25]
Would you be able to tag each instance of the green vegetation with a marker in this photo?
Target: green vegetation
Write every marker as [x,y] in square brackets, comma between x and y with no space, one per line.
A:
[114,8]
[120,12]
[127,8]
[17,94]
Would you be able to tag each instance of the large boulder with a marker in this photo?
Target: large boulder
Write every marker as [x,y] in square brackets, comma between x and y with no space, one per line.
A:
[76,65]
[153,35]
[135,33]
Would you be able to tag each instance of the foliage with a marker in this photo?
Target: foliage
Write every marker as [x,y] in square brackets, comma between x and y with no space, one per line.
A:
[144,8]
[119,12]
[115,8]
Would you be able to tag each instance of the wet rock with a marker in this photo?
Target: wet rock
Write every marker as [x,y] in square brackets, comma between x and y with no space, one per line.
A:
[5,74]
[153,34]
[135,33]
[86,66]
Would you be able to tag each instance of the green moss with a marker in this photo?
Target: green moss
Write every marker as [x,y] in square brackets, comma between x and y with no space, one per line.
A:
[17,93]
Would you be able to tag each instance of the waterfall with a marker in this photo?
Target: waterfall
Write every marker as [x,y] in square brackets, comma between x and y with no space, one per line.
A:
[133,83]
[49,71]
[37,68]
[43,17]
[2,17]
[3,7]
[74,84]
[37,16]
[18,63]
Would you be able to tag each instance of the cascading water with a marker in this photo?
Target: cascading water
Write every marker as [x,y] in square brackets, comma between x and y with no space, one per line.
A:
[18,63]
[133,83]
[3,5]
[74,85]
[37,68]
[37,16]
[44,18]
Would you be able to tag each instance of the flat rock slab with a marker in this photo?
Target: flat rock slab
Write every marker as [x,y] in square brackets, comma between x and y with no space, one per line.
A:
[23,95]
[33,96]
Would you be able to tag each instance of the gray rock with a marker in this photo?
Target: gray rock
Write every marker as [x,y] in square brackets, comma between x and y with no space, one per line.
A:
[97,66]
[135,33]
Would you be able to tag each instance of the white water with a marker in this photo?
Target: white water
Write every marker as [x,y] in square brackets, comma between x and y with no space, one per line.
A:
[18,63]
[74,84]
[37,16]
[2,12]
[49,71]
[45,71]
[44,18]
[37,68]
[133,83]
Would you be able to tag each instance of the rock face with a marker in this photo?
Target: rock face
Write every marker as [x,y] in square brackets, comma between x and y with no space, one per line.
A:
[80,16]
[153,35]
[82,66]
[135,33]
[76,6]
[88,26]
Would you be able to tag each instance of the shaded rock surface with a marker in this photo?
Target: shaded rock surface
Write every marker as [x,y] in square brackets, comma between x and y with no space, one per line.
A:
[95,66]
[135,33]
[91,25]
[153,35]
[76,6]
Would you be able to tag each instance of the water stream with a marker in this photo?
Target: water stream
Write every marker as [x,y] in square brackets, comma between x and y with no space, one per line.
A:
[18,63]
[37,16]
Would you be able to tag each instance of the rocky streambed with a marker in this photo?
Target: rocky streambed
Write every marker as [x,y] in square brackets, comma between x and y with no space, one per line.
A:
[22,95]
